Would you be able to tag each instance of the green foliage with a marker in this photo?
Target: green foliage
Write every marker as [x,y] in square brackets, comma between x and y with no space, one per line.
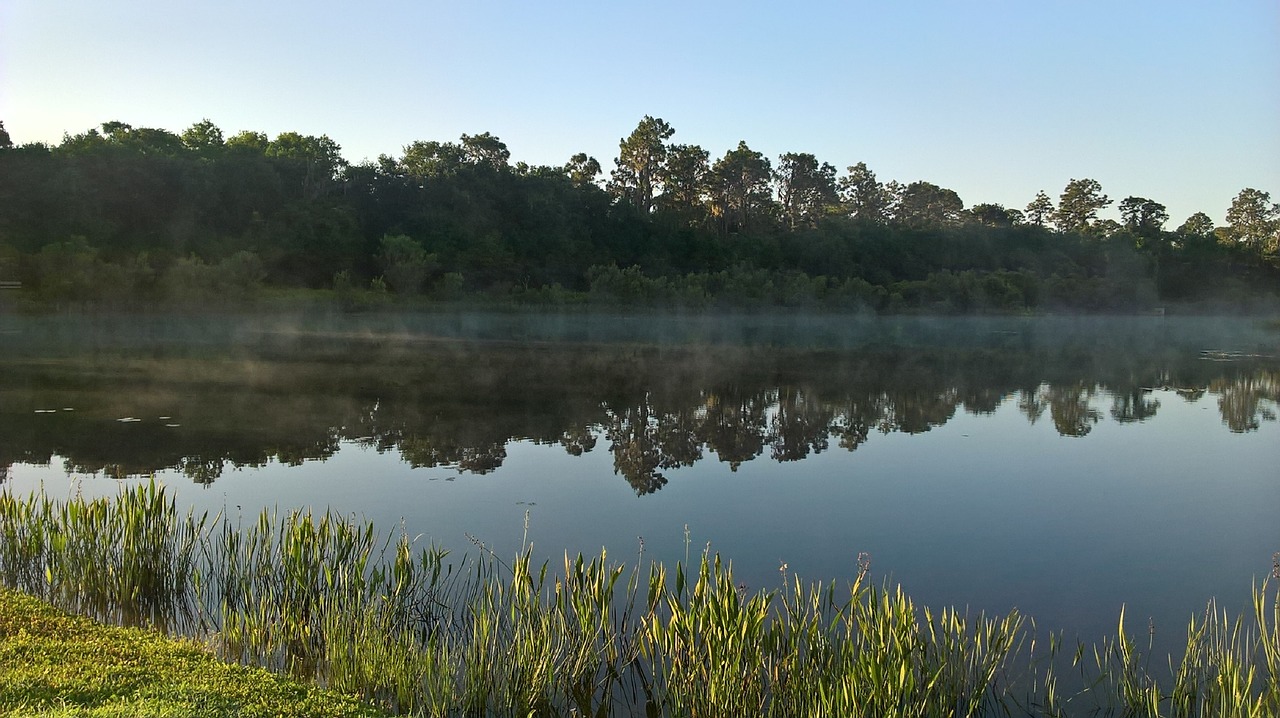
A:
[1079,204]
[1253,221]
[806,189]
[965,292]
[582,170]
[314,163]
[190,280]
[994,215]
[203,137]
[863,196]
[1040,209]
[128,561]
[685,181]
[1229,668]
[248,142]
[1142,216]
[1197,225]
[66,270]
[641,158]
[405,264]
[102,217]
[451,285]
[485,150]
[924,204]
[431,159]
[741,200]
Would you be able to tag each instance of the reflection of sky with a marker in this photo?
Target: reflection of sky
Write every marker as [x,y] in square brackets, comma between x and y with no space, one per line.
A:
[989,511]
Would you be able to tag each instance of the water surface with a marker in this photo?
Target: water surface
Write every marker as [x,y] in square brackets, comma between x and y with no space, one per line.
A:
[1062,466]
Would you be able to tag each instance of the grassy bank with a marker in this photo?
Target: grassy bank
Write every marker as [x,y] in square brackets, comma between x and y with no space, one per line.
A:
[407,628]
[56,664]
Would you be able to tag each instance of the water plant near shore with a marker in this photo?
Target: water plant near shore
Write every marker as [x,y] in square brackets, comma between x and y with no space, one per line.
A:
[130,561]
[329,598]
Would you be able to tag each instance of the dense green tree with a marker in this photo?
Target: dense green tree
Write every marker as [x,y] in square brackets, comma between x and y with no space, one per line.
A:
[685,180]
[203,137]
[893,190]
[248,142]
[1040,210]
[304,241]
[740,196]
[431,159]
[81,144]
[319,159]
[640,161]
[405,264]
[142,140]
[6,143]
[116,130]
[1253,221]
[864,198]
[1197,225]
[1079,204]
[924,204]
[485,150]
[582,170]
[1142,216]
[994,215]
[806,189]
[1105,228]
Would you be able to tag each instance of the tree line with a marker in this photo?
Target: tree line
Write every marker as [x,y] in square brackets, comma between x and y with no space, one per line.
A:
[125,214]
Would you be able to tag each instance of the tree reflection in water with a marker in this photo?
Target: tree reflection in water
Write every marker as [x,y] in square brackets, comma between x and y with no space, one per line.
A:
[645,442]
[1133,405]
[1240,399]
[658,408]
[1071,409]
[799,425]
[733,425]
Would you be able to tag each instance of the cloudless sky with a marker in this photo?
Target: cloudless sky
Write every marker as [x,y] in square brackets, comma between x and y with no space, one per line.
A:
[1177,101]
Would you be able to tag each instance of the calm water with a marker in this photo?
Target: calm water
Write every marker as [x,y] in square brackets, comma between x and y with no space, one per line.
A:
[1065,467]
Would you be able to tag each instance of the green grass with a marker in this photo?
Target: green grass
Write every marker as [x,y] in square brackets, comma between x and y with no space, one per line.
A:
[333,602]
[56,664]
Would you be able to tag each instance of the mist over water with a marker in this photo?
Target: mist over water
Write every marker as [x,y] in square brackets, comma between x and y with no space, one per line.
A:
[1065,466]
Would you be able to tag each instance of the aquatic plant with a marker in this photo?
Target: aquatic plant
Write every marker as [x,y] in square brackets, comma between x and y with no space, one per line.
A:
[130,560]
[330,599]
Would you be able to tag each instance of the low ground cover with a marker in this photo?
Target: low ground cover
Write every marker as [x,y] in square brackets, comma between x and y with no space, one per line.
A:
[56,664]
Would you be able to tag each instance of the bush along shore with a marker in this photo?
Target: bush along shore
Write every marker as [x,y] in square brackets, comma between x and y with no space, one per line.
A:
[405,628]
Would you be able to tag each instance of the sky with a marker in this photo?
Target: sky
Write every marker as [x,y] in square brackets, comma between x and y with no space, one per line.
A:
[1177,101]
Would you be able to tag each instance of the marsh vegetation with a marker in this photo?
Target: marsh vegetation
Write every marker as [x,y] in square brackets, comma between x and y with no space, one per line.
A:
[412,629]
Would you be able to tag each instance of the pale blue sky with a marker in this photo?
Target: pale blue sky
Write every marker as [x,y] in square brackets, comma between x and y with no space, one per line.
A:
[1177,101]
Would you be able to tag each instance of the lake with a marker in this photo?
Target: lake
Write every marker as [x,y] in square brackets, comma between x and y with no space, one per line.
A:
[1063,466]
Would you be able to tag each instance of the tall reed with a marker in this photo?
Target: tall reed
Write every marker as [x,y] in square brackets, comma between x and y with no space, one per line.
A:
[1230,668]
[131,560]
